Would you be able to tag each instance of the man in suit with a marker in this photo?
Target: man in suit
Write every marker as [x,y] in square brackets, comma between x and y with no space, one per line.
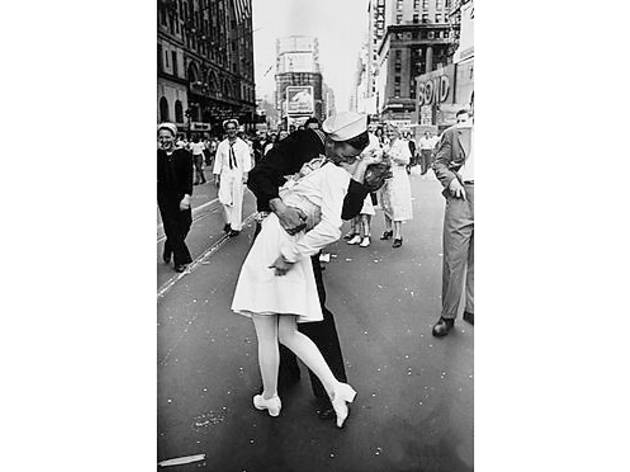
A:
[174,189]
[454,168]
[345,134]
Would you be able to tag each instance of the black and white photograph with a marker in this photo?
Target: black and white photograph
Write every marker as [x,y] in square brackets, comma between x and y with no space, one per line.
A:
[290,285]
[315,251]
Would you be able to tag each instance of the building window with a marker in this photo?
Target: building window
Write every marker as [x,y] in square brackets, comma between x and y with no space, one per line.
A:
[397,92]
[425,17]
[438,4]
[438,18]
[163,110]
[179,112]
[447,4]
[431,35]
[416,18]
[159,59]
[446,34]
[416,4]
[398,54]
[425,4]
[174,56]
[397,80]
[399,4]
[399,18]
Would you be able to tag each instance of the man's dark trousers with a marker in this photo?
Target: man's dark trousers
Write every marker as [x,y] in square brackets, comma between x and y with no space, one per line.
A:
[322,333]
[176,226]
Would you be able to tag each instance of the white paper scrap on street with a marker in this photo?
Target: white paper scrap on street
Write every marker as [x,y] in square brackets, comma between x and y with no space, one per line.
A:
[182,460]
[324,257]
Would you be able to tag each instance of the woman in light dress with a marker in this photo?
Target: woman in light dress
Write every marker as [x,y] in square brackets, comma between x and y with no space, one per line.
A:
[276,286]
[396,193]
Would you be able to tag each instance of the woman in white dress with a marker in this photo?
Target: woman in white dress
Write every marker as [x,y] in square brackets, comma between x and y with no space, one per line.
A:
[276,286]
[396,193]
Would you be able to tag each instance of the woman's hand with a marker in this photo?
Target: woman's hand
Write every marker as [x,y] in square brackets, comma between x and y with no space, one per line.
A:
[292,220]
[281,266]
[185,203]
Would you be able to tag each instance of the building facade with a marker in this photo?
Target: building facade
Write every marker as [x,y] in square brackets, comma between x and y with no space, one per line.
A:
[205,63]
[445,90]
[298,76]
[417,39]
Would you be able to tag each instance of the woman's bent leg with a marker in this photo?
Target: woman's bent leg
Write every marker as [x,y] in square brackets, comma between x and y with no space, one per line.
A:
[306,350]
[268,352]
[340,394]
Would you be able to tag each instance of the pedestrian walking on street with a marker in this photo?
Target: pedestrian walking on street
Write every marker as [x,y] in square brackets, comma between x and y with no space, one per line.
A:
[360,232]
[427,144]
[174,190]
[412,150]
[197,148]
[454,168]
[232,164]
[396,193]
[343,136]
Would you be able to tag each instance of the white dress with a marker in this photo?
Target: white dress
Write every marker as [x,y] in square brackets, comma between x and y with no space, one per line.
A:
[320,195]
[396,193]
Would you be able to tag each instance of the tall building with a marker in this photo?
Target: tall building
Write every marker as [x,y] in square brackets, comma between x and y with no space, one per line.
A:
[445,90]
[417,39]
[298,79]
[205,63]
[362,99]
[376,31]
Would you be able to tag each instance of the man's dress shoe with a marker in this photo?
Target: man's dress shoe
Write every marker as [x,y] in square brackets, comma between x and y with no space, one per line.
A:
[469,317]
[442,327]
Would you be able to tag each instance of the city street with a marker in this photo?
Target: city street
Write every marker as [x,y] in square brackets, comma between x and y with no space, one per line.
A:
[414,409]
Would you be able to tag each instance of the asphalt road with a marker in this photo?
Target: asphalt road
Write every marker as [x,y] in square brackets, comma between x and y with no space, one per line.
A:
[414,411]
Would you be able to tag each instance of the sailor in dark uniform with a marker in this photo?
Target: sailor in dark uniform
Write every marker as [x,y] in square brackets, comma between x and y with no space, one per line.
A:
[345,133]
[174,189]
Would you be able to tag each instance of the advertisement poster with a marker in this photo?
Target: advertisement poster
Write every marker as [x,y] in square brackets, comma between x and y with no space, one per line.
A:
[300,100]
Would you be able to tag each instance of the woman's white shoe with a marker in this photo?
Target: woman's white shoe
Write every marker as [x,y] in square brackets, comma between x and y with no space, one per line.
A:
[273,405]
[365,242]
[355,240]
[342,395]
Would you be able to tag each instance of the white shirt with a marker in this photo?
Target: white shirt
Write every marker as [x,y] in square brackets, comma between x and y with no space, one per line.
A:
[242,162]
[197,148]
[467,171]
[325,188]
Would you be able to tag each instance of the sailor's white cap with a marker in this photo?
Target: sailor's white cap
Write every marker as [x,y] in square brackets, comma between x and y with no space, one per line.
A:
[345,125]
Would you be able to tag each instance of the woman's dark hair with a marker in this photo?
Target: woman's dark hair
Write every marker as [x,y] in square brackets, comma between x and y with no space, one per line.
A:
[359,142]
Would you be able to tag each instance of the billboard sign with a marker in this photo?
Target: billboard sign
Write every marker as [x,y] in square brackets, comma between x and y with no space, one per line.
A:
[436,87]
[297,62]
[300,100]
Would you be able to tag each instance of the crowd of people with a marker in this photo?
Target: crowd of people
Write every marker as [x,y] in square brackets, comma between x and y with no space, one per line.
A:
[307,181]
